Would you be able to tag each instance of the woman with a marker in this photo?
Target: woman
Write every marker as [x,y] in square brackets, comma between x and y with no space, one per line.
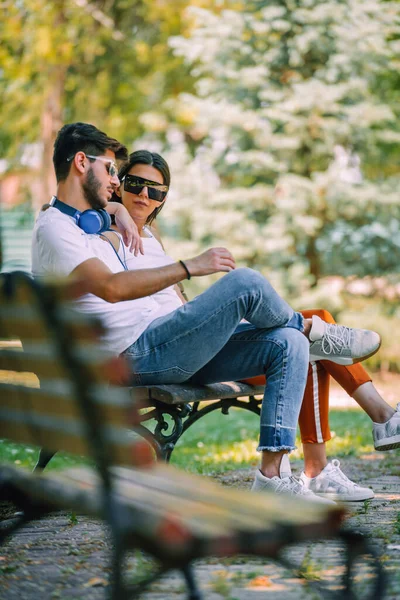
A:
[145,181]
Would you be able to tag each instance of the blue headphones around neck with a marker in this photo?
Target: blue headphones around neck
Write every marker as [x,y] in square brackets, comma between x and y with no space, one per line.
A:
[90,221]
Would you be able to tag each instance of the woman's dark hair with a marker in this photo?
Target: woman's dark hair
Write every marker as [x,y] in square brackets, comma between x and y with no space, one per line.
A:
[144,157]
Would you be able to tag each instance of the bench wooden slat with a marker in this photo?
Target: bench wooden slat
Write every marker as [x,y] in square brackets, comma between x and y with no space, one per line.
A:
[26,323]
[24,293]
[145,523]
[37,360]
[43,367]
[55,434]
[184,393]
[59,401]
[214,512]
[261,507]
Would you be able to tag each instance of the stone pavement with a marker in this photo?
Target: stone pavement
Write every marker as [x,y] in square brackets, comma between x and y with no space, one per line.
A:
[65,558]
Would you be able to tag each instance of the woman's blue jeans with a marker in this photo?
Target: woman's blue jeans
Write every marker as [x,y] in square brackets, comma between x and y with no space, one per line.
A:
[204,341]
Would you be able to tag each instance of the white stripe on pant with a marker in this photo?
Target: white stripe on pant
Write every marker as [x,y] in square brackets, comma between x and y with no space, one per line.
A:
[317,415]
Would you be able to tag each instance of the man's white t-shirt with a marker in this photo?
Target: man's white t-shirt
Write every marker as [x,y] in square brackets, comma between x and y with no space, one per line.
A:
[59,246]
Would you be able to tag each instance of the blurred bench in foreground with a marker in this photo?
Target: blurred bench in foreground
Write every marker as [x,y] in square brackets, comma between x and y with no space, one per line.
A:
[154,507]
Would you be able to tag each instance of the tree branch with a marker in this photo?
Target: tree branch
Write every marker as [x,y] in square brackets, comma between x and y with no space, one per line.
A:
[101,18]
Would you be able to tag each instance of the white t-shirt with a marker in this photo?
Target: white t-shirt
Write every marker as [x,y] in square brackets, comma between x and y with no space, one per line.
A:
[154,256]
[59,246]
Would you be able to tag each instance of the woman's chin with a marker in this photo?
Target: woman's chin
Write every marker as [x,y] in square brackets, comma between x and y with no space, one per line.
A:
[139,217]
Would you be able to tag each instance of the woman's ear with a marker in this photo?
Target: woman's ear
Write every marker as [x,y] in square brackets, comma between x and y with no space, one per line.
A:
[117,190]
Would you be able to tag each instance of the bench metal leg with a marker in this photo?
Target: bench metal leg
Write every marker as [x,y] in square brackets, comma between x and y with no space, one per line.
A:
[45,457]
[194,592]
[356,546]
[9,526]
[118,592]
[28,511]
[174,420]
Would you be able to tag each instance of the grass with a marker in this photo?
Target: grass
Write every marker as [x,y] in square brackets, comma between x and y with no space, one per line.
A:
[309,569]
[219,443]
[397,524]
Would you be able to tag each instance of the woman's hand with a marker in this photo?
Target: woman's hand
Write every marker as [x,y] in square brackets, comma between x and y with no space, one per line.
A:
[127,227]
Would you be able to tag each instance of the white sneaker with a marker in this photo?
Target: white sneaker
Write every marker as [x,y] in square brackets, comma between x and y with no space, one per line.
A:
[332,483]
[341,345]
[285,484]
[387,435]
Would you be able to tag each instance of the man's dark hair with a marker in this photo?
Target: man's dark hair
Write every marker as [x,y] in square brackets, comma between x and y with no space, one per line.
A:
[82,137]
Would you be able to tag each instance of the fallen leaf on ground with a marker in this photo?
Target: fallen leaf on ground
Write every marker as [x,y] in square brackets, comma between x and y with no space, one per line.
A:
[261,581]
[95,582]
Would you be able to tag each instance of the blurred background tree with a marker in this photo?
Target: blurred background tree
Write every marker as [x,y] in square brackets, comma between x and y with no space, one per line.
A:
[103,62]
[295,115]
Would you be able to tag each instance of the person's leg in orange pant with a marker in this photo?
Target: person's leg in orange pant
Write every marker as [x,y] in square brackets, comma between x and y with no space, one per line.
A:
[354,379]
[314,414]
[314,420]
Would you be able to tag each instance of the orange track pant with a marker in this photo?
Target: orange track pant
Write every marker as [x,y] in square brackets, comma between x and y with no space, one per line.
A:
[314,413]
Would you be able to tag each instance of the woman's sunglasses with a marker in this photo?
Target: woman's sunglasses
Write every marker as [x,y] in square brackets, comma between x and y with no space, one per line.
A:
[135,184]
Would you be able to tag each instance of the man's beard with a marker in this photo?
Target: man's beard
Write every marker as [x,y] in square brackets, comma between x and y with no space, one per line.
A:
[91,189]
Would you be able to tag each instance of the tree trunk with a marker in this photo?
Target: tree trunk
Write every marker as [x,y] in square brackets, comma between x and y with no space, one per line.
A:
[313,260]
[51,120]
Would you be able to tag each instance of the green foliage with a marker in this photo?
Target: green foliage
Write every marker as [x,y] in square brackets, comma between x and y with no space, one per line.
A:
[396,528]
[221,585]
[26,456]
[288,112]
[73,519]
[220,443]
[309,569]
[100,62]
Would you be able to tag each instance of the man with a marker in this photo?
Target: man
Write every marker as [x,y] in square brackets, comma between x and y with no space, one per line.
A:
[203,341]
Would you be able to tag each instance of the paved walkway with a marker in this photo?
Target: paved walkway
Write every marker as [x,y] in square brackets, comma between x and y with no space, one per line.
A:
[60,558]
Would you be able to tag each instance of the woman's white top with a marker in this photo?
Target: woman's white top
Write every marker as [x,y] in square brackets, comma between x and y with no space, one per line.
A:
[154,256]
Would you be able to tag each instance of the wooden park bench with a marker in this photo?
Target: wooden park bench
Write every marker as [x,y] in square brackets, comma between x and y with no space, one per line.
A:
[147,504]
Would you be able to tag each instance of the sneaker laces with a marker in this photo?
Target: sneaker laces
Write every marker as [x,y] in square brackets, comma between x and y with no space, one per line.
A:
[339,473]
[335,339]
[293,485]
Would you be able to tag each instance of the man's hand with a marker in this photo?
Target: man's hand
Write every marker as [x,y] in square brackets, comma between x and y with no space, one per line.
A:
[127,227]
[211,261]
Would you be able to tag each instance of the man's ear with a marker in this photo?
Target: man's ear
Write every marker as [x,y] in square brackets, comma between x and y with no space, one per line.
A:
[79,161]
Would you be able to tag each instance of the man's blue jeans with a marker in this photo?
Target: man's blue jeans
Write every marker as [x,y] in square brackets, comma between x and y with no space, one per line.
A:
[204,341]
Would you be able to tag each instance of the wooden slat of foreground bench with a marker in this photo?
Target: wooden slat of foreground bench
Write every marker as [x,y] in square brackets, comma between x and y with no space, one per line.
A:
[174,516]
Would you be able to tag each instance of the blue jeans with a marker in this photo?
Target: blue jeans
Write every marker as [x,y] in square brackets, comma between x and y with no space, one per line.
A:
[204,342]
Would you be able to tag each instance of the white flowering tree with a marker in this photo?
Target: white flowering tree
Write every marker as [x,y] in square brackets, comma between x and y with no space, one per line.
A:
[289,120]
